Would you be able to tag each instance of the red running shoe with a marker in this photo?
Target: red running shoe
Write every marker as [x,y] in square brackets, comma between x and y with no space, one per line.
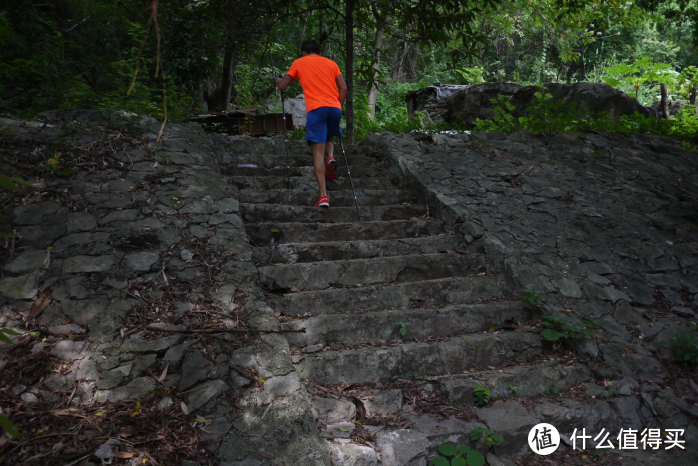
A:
[329,176]
[331,165]
[324,201]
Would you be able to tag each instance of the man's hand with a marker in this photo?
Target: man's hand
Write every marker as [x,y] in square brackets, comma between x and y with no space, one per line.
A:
[283,83]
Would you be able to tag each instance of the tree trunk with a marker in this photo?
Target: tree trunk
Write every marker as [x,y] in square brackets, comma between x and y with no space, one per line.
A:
[664,103]
[375,63]
[217,97]
[349,15]
[692,97]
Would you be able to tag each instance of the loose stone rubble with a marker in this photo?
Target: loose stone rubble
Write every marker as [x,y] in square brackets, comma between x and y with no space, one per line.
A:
[201,232]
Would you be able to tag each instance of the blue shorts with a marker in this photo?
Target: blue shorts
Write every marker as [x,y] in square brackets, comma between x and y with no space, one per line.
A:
[323,123]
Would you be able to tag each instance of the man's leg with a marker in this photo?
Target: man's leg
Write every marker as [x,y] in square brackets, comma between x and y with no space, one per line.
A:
[329,148]
[319,164]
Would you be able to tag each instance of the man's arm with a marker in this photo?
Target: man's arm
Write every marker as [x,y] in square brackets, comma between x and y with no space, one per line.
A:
[342,89]
[283,83]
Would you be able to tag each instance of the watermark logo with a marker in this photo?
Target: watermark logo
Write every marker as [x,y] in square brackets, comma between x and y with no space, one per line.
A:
[544,439]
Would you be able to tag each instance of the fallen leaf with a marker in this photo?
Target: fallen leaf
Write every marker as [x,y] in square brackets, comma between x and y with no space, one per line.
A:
[123,454]
[266,455]
[185,408]
[40,304]
[629,351]
[164,373]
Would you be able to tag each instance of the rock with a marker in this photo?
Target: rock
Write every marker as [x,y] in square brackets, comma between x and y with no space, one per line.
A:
[339,430]
[225,296]
[403,447]
[353,455]
[164,403]
[88,264]
[28,261]
[22,287]
[141,261]
[295,108]
[331,411]
[200,232]
[195,369]
[201,395]
[682,311]
[35,214]
[80,221]
[216,430]
[67,329]
[474,101]
[183,308]
[136,345]
[121,216]
[186,255]
[28,397]
[70,350]
[313,348]
[174,355]
[134,389]
[513,421]
[389,402]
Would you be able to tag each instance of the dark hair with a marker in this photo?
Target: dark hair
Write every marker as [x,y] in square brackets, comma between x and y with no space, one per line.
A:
[310,46]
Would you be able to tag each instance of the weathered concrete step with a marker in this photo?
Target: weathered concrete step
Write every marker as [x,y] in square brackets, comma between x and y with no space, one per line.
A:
[357,272]
[422,359]
[358,329]
[543,379]
[253,213]
[458,290]
[300,197]
[294,253]
[307,171]
[263,183]
[294,232]
[303,160]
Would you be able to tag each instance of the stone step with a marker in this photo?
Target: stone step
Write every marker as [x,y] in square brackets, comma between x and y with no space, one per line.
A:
[411,360]
[294,232]
[447,321]
[293,253]
[300,197]
[458,290]
[253,213]
[303,160]
[296,171]
[542,379]
[263,183]
[358,272]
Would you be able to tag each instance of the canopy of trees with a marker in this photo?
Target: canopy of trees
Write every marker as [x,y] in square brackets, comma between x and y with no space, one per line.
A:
[214,54]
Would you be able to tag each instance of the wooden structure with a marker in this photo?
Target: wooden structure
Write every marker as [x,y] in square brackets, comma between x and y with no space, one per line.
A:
[245,121]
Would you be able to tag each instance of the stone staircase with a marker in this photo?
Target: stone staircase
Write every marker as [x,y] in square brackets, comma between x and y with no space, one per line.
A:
[354,285]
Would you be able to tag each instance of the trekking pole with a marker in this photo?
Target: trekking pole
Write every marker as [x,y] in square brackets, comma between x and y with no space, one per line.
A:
[288,152]
[283,116]
[346,161]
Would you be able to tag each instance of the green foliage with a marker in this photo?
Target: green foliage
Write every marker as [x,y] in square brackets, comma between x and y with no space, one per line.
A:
[462,455]
[486,436]
[13,183]
[642,75]
[403,328]
[549,116]
[684,346]
[557,328]
[6,333]
[532,297]
[481,395]
[8,426]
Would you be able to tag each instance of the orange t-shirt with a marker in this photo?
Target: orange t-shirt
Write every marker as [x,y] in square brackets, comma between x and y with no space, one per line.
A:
[317,77]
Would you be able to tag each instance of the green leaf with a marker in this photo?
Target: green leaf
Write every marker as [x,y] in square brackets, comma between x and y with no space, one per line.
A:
[5,339]
[458,461]
[201,420]
[476,434]
[551,335]
[8,183]
[10,428]
[9,331]
[463,449]
[498,438]
[439,461]
[447,449]
[475,458]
